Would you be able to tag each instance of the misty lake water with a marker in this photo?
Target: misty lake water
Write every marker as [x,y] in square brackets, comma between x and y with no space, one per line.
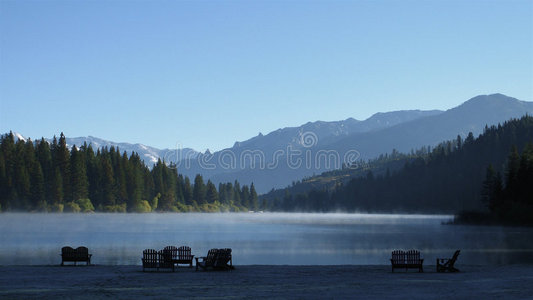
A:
[269,238]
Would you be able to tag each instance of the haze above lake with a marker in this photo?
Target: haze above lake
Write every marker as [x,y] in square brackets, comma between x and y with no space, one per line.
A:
[269,238]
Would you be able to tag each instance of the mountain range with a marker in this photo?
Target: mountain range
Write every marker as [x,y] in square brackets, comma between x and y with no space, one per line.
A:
[288,154]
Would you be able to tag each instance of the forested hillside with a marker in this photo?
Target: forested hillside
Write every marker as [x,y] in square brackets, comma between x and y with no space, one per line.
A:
[42,176]
[448,179]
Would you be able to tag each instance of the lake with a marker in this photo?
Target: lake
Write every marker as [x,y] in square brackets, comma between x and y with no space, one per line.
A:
[259,238]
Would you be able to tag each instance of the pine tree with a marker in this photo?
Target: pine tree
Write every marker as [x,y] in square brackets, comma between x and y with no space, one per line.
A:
[119,170]
[525,176]
[108,183]
[8,193]
[78,179]
[44,156]
[134,177]
[187,192]
[492,190]
[511,175]
[237,194]
[199,190]
[254,200]
[168,195]
[22,182]
[245,197]
[3,181]
[211,193]
[57,187]
[38,194]
[62,160]
[93,173]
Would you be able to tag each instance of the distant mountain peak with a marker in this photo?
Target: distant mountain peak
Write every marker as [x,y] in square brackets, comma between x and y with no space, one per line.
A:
[491,98]
[19,136]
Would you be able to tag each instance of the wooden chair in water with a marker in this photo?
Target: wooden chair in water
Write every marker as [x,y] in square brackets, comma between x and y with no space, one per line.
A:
[150,259]
[447,264]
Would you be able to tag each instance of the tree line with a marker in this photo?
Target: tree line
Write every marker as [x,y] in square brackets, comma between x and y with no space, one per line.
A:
[50,177]
[446,179]
[509,198]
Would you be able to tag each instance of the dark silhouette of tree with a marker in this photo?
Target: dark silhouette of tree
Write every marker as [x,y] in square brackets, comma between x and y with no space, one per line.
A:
[211,193]
[48,176]
[199,190]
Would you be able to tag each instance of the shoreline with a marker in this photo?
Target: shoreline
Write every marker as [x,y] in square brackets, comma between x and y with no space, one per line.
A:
[265,281]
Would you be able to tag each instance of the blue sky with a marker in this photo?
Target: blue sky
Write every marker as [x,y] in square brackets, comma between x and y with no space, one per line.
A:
[205,74]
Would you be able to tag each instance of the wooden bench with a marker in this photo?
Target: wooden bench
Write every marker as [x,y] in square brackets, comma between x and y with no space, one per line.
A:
[406,260]
[447,264]
[68,254]
[184,256]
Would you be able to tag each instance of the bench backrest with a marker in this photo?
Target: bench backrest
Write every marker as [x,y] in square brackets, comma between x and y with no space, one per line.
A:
[82,253]
[165,259]
[211,257]
[171,251]
[184,253]
[67,252]
[150,258]
[454,258]
[398,257]
[223,257]
[413,257]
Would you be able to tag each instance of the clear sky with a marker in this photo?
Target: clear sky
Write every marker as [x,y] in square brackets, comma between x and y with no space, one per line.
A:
[205,74]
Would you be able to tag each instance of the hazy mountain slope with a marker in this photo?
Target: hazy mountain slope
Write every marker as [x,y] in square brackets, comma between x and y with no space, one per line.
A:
[264,158]
[471,116]
[426,130]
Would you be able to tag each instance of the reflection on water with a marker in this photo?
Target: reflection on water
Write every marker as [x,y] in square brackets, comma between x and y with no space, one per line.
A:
[287,238]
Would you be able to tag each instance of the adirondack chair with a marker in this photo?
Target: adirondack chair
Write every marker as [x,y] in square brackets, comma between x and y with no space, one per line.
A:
[150,259]
[207,261]
[224,260]
[447,264]
[67,254]
[165,259]
[82,254]
[184,256]
[171,251]
[413,260]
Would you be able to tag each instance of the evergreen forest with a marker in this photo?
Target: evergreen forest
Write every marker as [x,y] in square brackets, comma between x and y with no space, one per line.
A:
[49,177]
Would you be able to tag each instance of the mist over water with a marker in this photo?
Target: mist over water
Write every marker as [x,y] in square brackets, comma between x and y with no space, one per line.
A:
[269,238]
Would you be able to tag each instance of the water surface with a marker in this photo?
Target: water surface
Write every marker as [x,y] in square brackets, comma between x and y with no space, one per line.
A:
[284,238]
